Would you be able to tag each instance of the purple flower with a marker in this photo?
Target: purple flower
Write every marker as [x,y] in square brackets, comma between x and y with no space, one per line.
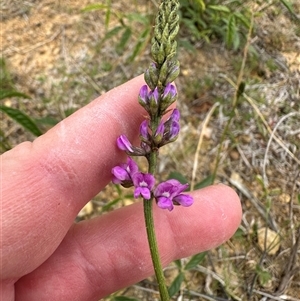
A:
[122,174]
[143,95]
[168,97]
[143,183]
[170,91]
[173,131]
[172,128]
[169,193]
[124,144]
[149,99]
[153,101]
[175,115]
[144,134]
[159,133]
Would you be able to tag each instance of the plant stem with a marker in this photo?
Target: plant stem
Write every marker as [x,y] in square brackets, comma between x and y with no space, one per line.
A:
[148,214]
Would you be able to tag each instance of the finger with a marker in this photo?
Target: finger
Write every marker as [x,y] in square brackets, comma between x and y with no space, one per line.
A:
[47,182]
[103,255]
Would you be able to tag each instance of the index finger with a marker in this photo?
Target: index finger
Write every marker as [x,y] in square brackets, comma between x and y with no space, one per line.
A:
[45,183]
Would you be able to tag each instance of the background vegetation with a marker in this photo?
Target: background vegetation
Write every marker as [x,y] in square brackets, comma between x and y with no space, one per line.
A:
[240,101]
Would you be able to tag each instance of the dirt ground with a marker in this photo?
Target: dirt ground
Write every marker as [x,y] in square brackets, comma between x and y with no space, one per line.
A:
[56,54]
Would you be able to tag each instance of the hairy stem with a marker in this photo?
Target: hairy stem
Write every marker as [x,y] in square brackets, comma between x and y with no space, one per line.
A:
[148,213]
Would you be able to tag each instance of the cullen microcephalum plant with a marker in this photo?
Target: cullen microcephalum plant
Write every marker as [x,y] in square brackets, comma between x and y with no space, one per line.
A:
[156,131]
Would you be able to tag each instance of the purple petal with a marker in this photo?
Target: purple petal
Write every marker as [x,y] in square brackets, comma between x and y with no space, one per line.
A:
[175,115]
[150,180]
[144,130]
[184,200]
[154,95]
[169,89]
[143,184]
[165,203]
[132,167]
[120,174]
[143,95]
[163,189]
[174,130]
[160,129]
[143,191]
[124,144]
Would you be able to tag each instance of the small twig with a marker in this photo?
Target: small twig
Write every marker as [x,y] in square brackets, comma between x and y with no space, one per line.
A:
[277,139]
[291,206]
[203,127]
[290,269]
[269,143]
[237,94]
[37,45]
[256,203]
[273,298]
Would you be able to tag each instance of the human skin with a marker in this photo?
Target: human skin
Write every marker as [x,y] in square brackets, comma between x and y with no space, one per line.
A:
[44,184]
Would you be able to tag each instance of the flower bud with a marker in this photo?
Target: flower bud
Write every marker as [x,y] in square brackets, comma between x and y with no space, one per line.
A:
[159,133]
[153,101]
[169,96]
[144,134]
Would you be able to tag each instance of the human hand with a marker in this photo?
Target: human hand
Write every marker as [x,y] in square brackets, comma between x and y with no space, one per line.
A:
[45,256]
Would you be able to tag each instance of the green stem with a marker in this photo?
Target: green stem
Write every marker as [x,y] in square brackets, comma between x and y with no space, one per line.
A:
[148,214]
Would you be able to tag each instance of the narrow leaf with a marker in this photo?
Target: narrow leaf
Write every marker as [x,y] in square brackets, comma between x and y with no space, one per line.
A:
[95,6]
[205,182]
[11,93]
[175,286]
[288,5]
[177,176]
[124,40]
[107,15]
[220,8]
[195,260]
[231,31]
[112,33]
[139,45]
[22,119]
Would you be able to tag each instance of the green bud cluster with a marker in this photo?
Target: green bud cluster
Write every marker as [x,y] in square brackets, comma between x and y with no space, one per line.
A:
[163,47]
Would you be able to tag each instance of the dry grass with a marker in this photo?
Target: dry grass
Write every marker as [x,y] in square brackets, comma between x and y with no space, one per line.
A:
[54,61]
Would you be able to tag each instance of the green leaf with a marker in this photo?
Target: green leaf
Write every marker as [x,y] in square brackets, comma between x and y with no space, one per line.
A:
[239,233]
[95,6]
[178,263]
[107,207]
[10,93]
[107,15]
[124,40]
[220,8]
[4,143]
[139,45]
[175,286]
[195,260]
[177,176]
[46,121]
[288,5]
[243,19]
[142,18]
[112,33]
[231,32]
[22,119]
[205,182]
[124,298]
